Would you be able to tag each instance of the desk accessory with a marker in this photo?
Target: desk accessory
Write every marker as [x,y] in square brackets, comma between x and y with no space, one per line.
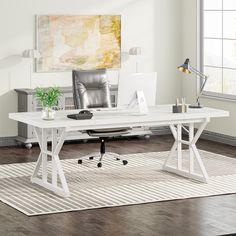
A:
[129,83]
[139,101]
[187,69]
[82,115]
[179,107]
[48,98]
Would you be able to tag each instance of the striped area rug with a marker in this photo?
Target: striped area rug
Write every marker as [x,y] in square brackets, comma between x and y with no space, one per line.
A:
[141,181]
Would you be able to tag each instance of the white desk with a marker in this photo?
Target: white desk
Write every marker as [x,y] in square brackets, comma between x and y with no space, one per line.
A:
[57,129]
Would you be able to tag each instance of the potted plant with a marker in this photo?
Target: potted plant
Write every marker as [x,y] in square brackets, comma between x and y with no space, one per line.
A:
[48,98]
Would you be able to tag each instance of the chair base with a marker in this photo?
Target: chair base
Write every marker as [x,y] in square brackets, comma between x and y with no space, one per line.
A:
[94,156]
[103,153]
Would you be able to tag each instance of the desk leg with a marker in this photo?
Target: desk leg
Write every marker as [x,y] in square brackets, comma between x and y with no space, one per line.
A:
[41,177]
[54,169]
[194,156]
[191,155]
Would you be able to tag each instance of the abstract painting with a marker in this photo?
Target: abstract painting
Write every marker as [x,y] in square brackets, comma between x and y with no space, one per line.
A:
[78,42]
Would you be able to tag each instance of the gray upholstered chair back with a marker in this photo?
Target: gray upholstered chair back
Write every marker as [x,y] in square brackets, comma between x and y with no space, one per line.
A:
[91,89]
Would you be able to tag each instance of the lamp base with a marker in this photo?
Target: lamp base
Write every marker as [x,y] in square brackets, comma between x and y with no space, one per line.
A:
[195,106]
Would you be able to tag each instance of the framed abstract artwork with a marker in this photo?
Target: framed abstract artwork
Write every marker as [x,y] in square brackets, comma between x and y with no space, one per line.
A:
[78,42]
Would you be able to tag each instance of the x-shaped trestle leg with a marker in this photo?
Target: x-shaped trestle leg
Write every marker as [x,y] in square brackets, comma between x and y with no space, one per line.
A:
[56,169]
[176,152]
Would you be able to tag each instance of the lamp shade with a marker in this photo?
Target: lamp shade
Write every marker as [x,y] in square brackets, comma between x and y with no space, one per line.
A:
[135,51]
[31,53]
[185,68]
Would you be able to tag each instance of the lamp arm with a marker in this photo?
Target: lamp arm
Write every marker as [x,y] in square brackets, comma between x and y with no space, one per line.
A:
[197,72]
[202,87]
[201,75]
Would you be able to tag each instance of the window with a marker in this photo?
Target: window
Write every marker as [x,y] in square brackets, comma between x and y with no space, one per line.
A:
[218,49]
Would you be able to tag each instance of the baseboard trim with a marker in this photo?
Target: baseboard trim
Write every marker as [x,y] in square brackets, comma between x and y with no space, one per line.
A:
[219,138]
[8,141]
[206,135]
[165,130]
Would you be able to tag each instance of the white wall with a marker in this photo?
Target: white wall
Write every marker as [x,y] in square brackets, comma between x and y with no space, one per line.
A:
[154,25]
[225,125]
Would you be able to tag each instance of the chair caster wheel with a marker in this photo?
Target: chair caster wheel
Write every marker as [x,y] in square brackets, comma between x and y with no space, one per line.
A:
[117,159]
[99,165]
[90,158]
[125,162]
[80,161]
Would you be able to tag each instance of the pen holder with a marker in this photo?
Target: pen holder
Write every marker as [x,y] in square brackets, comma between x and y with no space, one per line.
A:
[179,109]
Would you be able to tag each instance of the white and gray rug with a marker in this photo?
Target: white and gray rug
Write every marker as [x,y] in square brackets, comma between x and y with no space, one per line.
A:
[141,181]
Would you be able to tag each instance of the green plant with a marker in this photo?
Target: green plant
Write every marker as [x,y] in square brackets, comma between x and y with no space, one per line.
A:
[48,96]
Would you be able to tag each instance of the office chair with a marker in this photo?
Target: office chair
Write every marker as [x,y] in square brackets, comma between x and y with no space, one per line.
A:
[91,90]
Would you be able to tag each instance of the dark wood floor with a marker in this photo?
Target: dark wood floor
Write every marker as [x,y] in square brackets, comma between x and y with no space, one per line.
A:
[202,216]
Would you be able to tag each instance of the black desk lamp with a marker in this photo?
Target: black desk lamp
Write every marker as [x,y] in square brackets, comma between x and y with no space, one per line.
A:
[188,69]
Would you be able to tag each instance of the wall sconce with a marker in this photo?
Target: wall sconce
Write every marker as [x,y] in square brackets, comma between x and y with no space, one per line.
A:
[31,54]
[135,51]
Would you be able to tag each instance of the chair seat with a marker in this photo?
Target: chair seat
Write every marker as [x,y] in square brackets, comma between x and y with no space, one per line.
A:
[108,132]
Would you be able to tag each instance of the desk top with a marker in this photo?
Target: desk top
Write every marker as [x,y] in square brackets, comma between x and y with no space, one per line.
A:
[115,117]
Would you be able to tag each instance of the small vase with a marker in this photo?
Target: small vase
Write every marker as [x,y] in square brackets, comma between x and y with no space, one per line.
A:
[48,113]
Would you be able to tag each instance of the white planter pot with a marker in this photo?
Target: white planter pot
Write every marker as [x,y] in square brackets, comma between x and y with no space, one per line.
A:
[48,114]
